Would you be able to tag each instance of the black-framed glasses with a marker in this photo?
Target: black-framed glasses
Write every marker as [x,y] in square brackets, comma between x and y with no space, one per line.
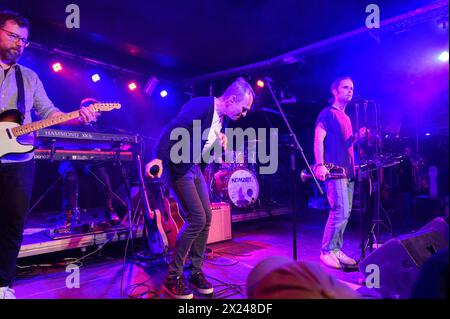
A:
[15,37]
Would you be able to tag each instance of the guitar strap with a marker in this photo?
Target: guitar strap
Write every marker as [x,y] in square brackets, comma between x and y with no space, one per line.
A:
[20,93]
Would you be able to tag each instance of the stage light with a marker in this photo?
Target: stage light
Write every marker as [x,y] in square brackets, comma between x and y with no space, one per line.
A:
[427,134]
[443,57]
[163,93]
[95,77]
[260,83]
[57,67]
[132,86]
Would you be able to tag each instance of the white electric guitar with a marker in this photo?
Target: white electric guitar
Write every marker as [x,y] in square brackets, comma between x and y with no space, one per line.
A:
[10,128]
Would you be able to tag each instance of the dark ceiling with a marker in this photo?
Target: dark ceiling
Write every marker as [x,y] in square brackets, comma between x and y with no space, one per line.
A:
[180,39]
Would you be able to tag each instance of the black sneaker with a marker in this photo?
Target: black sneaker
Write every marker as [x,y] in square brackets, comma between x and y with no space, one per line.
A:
[176,288]
[200,284]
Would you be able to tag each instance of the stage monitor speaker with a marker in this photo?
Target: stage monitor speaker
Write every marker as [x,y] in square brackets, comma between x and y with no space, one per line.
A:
[398,261]
[220,229]
[438,224]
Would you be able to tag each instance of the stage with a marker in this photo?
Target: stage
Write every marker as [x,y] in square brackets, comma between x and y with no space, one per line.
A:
[227,264]
[112,141]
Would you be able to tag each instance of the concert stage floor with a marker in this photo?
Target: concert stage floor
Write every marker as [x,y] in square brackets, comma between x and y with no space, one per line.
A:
[227,264]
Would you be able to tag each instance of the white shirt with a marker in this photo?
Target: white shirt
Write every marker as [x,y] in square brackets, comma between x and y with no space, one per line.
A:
[216,125]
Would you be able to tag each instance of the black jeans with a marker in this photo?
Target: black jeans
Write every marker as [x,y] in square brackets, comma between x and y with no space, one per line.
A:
[193,195]
[70,170]
[16,185]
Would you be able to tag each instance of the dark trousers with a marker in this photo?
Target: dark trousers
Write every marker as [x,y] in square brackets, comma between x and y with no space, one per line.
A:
[16,185]
[70,170]
[193,195]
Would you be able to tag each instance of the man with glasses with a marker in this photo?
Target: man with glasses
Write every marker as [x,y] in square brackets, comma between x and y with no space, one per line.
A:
[22,90]
[13,37]
[189,183]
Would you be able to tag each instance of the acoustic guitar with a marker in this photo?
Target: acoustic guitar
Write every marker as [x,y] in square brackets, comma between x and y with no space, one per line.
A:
[169,211]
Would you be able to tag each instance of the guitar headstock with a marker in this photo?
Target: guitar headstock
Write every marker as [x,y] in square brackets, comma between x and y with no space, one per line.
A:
[104,107]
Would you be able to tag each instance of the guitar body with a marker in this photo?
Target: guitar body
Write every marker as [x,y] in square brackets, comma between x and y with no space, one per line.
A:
[162,238]
[9,143]
[155,240]
[156,237]
[8,120]
[170,227]
[175,212]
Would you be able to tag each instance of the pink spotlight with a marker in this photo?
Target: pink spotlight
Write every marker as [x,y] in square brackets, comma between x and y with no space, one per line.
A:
[260,83]
[57,67]
[95,77]
[132,86]
[443,57]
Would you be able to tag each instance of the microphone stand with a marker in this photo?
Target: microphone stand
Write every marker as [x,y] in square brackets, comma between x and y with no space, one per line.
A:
[379,169]
[359,177]
[373,235]
[292,147]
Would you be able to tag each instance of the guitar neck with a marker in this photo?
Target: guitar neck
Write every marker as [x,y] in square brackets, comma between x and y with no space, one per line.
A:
[35,126]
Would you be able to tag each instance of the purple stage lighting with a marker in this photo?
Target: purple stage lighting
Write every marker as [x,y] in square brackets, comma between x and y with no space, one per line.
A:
[95,78]
[57,67]
[443,57]
[132,86]
[163,93]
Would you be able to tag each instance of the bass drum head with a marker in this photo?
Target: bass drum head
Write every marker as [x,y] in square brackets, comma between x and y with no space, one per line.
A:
[243,188]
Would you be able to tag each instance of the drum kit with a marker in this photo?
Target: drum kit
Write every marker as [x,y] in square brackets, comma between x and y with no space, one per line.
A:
[235,180]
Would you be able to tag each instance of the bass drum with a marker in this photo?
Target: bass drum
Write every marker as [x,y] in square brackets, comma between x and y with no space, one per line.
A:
[240,187]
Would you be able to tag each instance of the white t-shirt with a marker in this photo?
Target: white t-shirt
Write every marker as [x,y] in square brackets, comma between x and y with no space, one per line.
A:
[216,125]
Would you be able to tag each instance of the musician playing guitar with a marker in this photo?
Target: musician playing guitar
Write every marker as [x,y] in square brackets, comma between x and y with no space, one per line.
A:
[333,144]
[189,183]
[20,91]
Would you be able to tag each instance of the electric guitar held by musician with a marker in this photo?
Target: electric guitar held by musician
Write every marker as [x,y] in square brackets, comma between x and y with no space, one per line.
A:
[11,128]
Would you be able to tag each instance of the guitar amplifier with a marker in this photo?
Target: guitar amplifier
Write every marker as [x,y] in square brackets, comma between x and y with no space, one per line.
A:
[220,229]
